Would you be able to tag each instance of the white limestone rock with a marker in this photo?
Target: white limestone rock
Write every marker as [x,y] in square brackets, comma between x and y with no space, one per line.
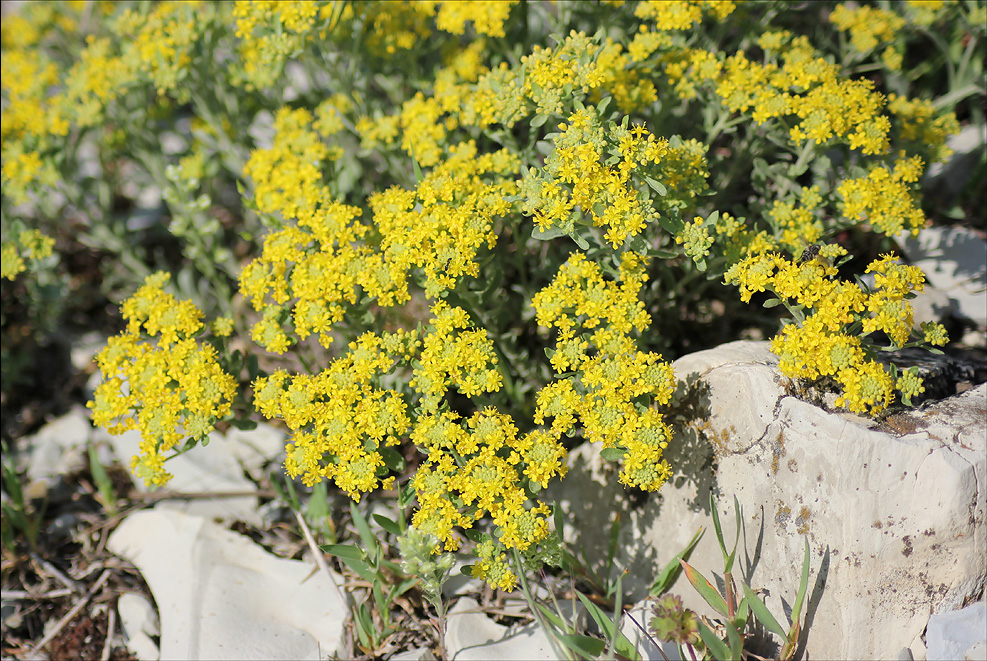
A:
[60,446]
[472,636]
[221,596]
[953,260]
[139,622]
[895,518]
[222,466]
[960,634]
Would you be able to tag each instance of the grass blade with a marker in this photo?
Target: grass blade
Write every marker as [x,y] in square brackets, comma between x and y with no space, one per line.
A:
[762,613]
[666,579]
[705,589]
[716,647]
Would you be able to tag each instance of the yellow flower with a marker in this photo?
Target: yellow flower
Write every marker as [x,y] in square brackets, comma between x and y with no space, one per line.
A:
[169,389]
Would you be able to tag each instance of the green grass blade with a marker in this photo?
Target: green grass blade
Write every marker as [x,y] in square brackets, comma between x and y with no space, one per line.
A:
[705,588]
[716,647]
[389,525]
[803,585]
[666,579]
[734,640]
[363,527]
[104,485]
[762,614]
[584,646]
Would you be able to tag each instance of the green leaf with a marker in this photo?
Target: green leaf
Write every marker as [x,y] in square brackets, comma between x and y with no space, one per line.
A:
[584,646]
[762,614]
[772,303]
[612,454]
[244,423]
[608,627]
[407,495]
[580,241]
[705,588]
[548,234]
[363,527]
[666,579]
[639,245]
[551,617]
[538,121]
[803,586]
[418,171]
[389,525]
[345,551]
[103,482]
[735,641]
[392,459]
[716,647]
[656,185]
[671,225]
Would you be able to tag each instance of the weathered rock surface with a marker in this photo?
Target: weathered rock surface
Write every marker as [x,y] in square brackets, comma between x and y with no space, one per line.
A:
[894,515]
[220,596]
[952,259]
[958,634]
[471,634]
[221,467]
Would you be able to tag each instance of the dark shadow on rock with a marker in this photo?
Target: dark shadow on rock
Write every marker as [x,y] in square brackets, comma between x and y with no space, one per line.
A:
[689,452]
[812,603]
[750,563]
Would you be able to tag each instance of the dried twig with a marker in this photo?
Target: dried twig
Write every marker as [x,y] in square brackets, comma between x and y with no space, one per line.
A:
[53,571]
[319,558]
[30,596]
[653,641]
[71,614]
[111,623]
[155,496]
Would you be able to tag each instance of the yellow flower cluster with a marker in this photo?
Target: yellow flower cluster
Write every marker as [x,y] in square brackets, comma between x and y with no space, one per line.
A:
[169,389]
[487,16]
[606,377]
[479,469]
[824,343]
[341,423]
[612,177]
[288,175]
[28,75]
[454,356]
[31,245]
[827,105]
[682,14]
[869,27]
[271,32]
[798,222]
[400,25]
[884,197]
[158,45]
[493,566]
[695,239]
[440,227]
[922,126]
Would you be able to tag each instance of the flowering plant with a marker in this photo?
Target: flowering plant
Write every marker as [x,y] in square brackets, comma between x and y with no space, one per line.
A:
[459,236]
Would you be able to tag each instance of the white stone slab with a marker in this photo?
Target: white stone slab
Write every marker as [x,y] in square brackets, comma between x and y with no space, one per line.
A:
[960,634]
[60,446]
[896,520]
[221,596]
[954,259]
[472,636]
[218,467]
[139,622]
